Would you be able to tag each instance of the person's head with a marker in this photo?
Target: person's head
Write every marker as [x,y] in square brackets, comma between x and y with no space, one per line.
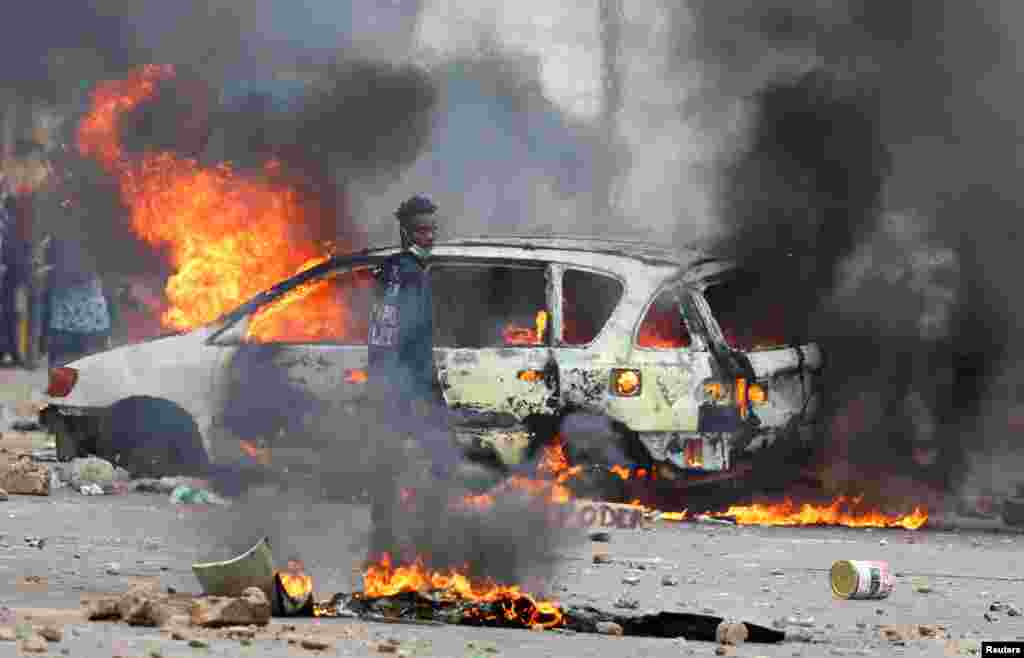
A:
[417,224]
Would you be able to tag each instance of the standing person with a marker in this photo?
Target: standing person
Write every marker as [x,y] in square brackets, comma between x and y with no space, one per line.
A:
[79,319]
[401,369]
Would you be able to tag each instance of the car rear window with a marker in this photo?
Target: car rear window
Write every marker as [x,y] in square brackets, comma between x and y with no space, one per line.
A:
[588,300]
[749,319]
[663,326]
[334,309]
[490,305]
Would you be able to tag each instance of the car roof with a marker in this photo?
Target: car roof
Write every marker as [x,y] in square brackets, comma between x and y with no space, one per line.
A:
[643,251]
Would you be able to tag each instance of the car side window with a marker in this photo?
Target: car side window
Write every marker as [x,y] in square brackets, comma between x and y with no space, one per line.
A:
[334,309]
[663,326]
[484,305]
[588,300]
[749,320]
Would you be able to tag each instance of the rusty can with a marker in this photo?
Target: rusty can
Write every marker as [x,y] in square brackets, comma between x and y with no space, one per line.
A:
[861,579]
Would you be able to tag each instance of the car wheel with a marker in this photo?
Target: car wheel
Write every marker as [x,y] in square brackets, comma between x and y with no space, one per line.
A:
[151,437]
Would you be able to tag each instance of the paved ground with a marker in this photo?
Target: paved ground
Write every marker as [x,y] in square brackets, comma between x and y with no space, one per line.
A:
[107,543]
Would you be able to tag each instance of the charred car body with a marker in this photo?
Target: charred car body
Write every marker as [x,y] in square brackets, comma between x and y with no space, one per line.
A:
[527,330]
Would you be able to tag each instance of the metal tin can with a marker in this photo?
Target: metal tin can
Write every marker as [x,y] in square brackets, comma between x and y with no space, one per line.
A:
[860,579]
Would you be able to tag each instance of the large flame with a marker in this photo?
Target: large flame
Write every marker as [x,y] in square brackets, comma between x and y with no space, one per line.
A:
[384,579]
[842,510]
[227,236]
[524,336]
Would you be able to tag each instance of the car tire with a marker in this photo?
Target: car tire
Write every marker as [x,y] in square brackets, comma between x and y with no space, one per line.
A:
[151,437]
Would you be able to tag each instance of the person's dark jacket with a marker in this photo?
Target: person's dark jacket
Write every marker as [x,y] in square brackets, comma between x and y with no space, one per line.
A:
[401,337]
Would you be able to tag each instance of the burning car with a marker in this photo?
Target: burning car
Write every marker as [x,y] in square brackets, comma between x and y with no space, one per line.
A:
[527,332]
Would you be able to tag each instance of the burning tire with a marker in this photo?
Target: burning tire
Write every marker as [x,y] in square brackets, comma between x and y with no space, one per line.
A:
[152,438]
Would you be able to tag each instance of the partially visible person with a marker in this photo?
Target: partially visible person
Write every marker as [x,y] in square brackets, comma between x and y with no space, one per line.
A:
[79,317]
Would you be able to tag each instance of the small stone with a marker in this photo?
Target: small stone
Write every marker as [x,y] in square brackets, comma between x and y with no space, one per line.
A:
[113,569]
[732,634]
[778,572]
[879,611]
[996,607]
[197,643]
[799,635]
[314,644]
[625,602]
[51,633]
[603,537]
[883,542]
[923,589]
[836,651]
[602,558]
[102,609]
[1012,610]
[630,580]
[725,651]
[33,644]
[668,580]
[178,635]
[387,647]
[991,618]
[218,611]
[7,634]
[608,628]
[708,611]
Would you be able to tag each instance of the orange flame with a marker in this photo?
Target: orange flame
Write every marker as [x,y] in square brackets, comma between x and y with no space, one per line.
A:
[356,376]
[522,336]
[227,237]
[383,579]
[298,586]
[261,455]
[841,511]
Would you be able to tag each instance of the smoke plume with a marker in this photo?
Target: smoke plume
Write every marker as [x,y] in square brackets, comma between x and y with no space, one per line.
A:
[870,185]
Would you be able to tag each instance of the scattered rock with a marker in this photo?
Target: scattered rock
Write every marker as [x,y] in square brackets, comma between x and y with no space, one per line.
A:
[7,634]
[923,589]
[34,643]
[669,580]
[51,633]
[112,569]
[778,572]
[387,647]
[102,609]
[631,580]
[178,635]
[144,605]
[901,633]
[35,542]
[883,542]
[602,558]
[609,628]
[731,633]
[1012,610]
[603,537]
[801,635]
[217,611]
[991,617]
[197,643]
[239,632]
[26,477]
[314,644]
[625,602]
[725,651]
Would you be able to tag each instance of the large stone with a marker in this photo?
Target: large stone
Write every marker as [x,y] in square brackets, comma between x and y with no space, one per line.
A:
[102,609]
[33,644]
[731,634]
[252,607]
[26,477]
[144,605]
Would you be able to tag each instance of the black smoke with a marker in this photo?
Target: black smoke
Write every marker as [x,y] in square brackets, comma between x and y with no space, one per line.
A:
[873,190]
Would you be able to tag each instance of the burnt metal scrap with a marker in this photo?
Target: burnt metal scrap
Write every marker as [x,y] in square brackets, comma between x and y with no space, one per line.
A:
[520,612]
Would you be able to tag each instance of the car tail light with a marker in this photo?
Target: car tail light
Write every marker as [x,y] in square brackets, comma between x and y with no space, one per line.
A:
[62,380]
[625,382]
[756,394]
[714,391]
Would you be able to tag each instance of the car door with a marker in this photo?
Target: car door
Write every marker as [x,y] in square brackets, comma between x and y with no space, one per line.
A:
[492,340]
[297,355]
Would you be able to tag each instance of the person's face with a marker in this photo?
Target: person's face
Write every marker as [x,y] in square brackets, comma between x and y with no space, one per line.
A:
[423,236]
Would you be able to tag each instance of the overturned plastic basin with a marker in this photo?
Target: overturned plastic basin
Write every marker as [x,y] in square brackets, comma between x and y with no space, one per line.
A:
[253,568]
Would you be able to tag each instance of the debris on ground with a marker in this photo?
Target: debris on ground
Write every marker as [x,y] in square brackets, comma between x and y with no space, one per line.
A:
[253,607]
[731,633]
[187,495]
[909,632]
[601,536]
[34,643]
[91,490]
[26,477]
[608,628]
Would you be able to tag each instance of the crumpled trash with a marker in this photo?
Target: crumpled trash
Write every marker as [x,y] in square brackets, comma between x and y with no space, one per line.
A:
[89,470]
[186,495]
[92,489]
